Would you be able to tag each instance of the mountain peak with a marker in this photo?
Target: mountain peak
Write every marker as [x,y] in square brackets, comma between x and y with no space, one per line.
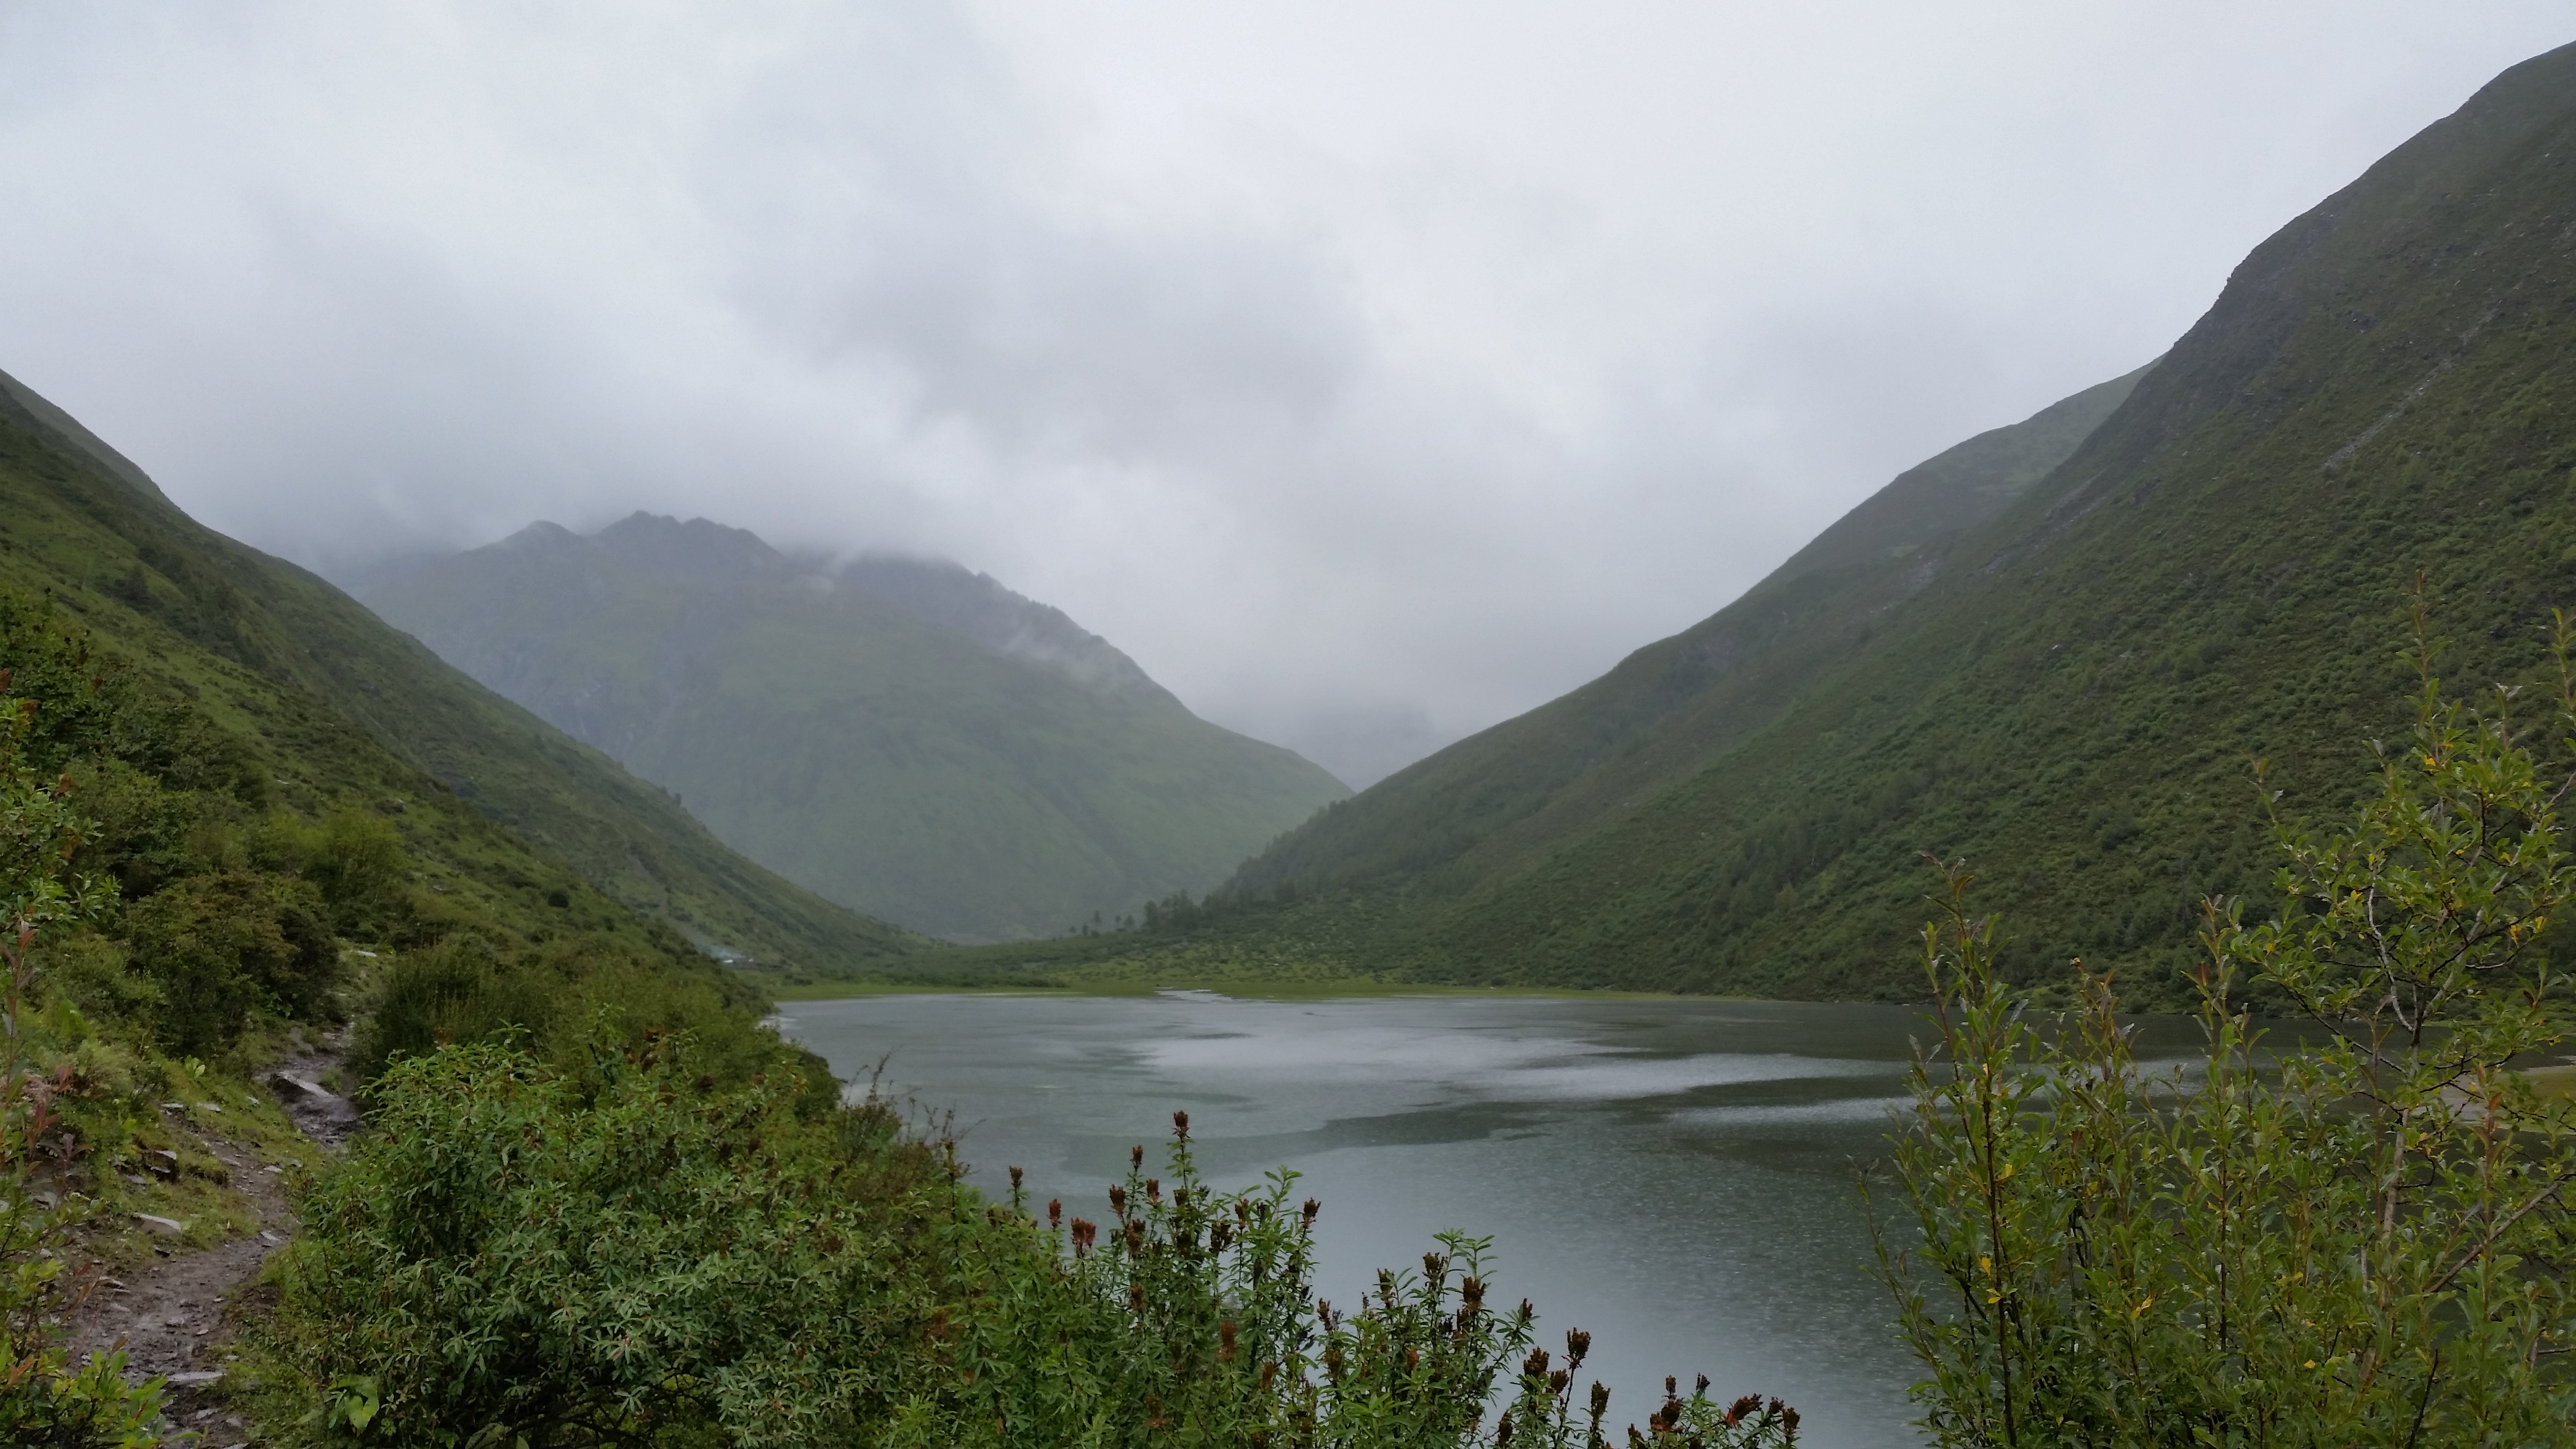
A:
[540,535]
[699,547]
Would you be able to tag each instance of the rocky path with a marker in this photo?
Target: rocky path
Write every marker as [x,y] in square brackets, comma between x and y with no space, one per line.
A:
[166,1312]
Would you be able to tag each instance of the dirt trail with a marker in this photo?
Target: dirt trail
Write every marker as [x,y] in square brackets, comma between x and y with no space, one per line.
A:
[164,1313]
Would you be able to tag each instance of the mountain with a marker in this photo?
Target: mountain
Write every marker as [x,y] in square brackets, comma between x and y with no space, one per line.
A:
[335,698]
[1489,803]
[900,735]
[937,591]
[2052,650]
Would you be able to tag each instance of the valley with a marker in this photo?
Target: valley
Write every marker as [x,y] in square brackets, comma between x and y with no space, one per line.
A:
[2073,954]
[2053,651]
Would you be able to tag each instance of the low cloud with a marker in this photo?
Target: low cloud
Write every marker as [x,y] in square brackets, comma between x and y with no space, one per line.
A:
[1369,373]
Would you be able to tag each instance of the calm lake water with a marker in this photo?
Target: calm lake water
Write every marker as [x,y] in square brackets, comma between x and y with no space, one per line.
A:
[1676,1176]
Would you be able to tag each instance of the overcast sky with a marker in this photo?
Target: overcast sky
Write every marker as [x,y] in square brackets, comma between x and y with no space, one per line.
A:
[1371,372]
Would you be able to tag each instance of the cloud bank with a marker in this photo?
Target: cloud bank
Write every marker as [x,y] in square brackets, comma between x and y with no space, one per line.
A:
[1368,372]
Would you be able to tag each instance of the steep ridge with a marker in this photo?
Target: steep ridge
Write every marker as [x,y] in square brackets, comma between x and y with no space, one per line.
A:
[2386,385]
[901,736]
[1668,709]
[937,591]
[283,657]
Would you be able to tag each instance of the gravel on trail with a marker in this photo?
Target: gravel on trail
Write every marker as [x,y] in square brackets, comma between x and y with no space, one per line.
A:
[166,1312]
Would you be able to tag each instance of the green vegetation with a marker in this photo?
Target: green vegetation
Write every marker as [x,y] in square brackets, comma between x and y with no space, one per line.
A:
[325,701]
[1490,805]
[963,761]
[2361,1236]
[204,864]
[2388,385]
[171,913]
[43,1398]
[518,1257]
[596,1203]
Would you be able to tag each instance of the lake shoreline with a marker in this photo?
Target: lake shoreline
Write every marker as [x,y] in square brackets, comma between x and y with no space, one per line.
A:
[1357,988]
[1673,1174]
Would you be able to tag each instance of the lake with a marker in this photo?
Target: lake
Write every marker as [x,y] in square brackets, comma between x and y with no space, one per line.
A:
[1676,1176]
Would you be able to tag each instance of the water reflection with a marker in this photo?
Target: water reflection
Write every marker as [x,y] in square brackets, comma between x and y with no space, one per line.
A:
[1675,1176]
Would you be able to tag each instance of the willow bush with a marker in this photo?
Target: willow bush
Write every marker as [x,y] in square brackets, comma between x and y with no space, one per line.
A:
[2353,1232]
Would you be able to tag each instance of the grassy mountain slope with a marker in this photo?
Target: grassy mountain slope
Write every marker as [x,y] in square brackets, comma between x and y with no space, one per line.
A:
[995,774]
[285,659]
[2386,385]
[1488,803]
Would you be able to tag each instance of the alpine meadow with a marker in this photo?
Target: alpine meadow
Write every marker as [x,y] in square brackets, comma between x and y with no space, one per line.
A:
[473,1017]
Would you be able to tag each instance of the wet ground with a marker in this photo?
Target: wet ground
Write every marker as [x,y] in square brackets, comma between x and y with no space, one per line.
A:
[171,1314]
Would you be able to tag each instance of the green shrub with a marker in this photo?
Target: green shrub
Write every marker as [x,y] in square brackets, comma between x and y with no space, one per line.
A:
[90,972]
[220,946]
[501,1257]
[140,835]
[514,1255]
[452,993]
[43,1401]
[1191,1319]
[356,860]
[2358,1233]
